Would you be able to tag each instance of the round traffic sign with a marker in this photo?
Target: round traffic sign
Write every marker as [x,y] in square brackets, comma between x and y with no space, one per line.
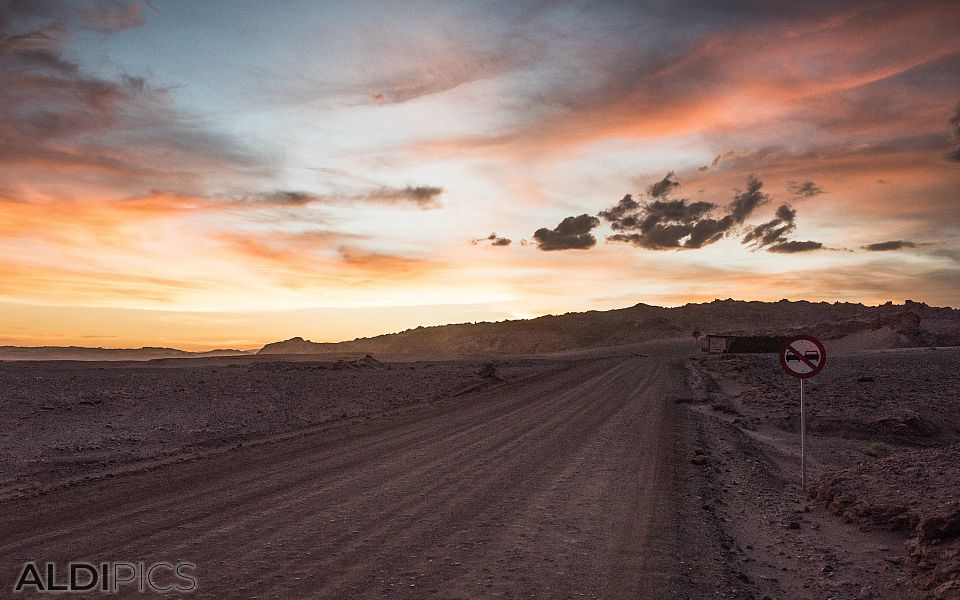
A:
[802,356]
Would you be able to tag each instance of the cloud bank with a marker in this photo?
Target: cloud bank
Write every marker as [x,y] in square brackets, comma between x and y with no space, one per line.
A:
[807,189]
[661,222]
[793,247]
[573,233]
[887,246]
[664,223]
[773,232]
[494,240]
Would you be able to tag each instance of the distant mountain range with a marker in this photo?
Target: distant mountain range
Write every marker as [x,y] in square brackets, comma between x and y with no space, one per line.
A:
[908,325]
[912,324]
[81,353]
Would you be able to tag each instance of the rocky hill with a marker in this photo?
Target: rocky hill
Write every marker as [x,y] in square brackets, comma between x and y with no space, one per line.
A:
[903,325]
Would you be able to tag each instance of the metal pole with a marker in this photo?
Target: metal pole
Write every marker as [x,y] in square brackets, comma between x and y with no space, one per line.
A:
[803,443]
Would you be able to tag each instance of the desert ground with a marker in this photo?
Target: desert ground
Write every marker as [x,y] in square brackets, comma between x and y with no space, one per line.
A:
[882,516]
[649,470]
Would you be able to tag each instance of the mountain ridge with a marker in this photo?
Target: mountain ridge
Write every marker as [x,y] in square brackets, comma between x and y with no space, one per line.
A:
[912,324]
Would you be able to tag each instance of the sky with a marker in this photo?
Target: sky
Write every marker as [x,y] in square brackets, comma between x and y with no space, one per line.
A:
[227,174]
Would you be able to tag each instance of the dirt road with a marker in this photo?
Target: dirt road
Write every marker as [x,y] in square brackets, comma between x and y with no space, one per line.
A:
[570,483]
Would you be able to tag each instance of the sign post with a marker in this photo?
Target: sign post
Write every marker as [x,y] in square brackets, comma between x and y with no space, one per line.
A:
[803,356]
[803,443]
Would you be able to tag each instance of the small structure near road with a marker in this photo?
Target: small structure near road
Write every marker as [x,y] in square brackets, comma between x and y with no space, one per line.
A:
[716,344]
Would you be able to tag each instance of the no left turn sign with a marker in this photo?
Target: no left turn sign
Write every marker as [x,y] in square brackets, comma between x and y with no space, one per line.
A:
[802,356]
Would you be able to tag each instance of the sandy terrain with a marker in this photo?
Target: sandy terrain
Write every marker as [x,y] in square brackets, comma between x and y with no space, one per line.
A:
[561,478]
[645,471]
[883,456]
[69,420]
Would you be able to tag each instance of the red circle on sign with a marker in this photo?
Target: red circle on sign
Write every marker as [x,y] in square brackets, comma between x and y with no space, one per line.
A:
[802,356]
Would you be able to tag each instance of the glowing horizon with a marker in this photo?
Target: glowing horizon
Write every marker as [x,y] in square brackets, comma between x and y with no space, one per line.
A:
[205,175]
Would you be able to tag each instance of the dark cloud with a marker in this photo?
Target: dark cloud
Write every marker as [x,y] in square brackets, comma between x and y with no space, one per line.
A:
[807,189]
[774,231]
[793,247]
[955,131]
[891,245]
[285,198]
[747,201]
[423,197]
[664,187]
[665,223]
[774,234]
[494,240]
[573,233]
[726,156]
[668,223]
[621,210]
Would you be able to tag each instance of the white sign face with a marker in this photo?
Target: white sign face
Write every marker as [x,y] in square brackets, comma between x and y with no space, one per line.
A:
[802,356]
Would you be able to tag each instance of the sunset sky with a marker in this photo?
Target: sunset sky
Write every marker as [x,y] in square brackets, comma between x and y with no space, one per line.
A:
[225,174]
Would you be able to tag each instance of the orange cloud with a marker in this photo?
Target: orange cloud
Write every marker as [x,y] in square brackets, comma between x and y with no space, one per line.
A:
[157,248]
[372,263]
[779,75]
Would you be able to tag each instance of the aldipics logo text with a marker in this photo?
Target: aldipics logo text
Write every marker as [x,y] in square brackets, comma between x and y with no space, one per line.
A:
[108,577]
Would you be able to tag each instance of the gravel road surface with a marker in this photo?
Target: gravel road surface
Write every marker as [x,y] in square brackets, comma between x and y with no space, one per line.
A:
[569,483]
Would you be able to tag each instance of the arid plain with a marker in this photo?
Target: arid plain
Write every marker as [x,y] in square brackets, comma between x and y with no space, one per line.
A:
[614,468]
